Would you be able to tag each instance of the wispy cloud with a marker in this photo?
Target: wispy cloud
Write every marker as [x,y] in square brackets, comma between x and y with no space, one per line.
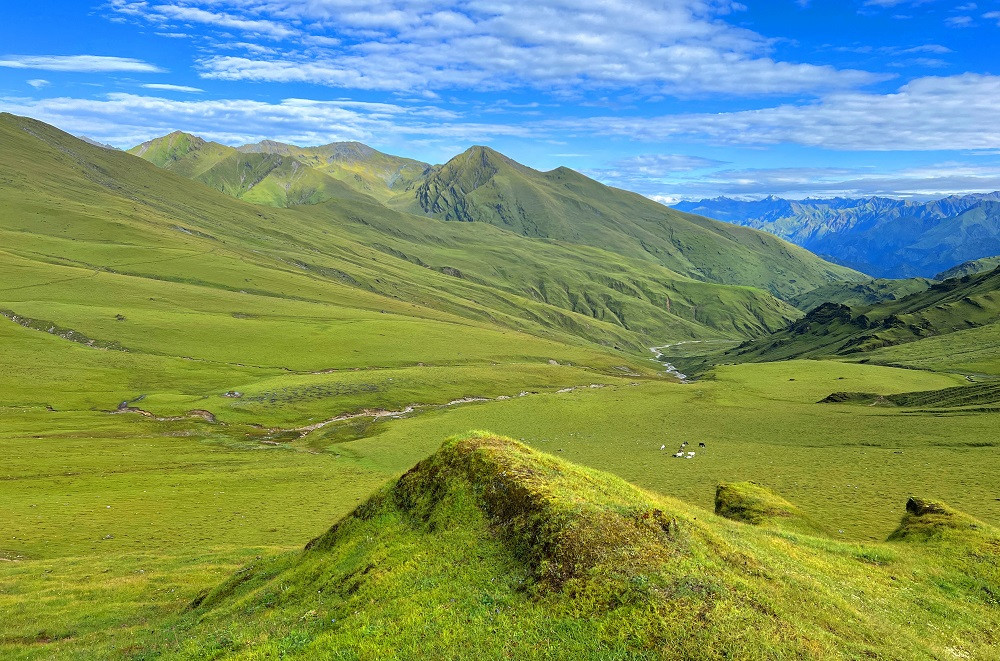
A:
[38,83]
[649,171]
[81,63]
[945,178]
[127,119]
[680,48]
[931,113]
[173,88]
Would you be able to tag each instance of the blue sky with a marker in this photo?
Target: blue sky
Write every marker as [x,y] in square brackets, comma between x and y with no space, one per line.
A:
[671,98]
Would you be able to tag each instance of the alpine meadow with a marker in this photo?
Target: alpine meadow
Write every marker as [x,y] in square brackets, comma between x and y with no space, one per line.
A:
[583,329]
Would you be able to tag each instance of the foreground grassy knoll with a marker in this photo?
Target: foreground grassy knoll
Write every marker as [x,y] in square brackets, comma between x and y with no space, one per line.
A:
[488,548]
[119,521]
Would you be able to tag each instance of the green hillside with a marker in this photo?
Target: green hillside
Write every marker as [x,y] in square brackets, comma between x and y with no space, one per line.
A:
[269,178]
[504,273]
[367,170]
[195,386]
[859,294]
[489,549]
[970,304]
[970,268]
[485,186]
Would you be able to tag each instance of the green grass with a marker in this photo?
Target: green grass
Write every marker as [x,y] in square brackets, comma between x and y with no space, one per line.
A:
[950,324]
[488,548]
[860,294]
[124,283]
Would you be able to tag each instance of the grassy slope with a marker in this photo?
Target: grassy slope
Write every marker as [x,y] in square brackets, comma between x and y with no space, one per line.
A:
[970,268]
[482,185]
[359,166]
[490,548]
[970,397]
[511,275]
[963,310]
[268,178]
[128,256]
[860,294]
[85,246]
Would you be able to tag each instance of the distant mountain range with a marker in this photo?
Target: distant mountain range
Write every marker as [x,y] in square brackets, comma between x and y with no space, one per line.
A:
[880,236]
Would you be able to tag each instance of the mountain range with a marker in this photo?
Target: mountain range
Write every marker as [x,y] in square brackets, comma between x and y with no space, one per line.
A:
[483,186]
[883,237]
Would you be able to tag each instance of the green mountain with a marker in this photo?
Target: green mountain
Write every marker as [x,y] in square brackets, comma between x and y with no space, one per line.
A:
[488,549]
[951,309]
[485,186]
[969,268]
[365,169]
[195,384]
[269,178]
[857,294]
[569,294]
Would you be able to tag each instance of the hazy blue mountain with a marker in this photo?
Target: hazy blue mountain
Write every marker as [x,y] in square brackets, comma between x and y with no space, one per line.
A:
[880,236]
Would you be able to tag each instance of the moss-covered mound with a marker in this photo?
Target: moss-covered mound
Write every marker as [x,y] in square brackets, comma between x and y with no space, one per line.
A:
[929,519]
[749,502]
[488,549]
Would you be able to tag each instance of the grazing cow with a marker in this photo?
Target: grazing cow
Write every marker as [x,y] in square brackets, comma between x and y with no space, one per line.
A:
[684,444]
[663,447]
[701,445]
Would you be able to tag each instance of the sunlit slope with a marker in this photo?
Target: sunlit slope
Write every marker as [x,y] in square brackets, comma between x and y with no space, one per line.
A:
[513,274]
[970,268]
[488,548]
[359,166]
[960,312]
[485,186]
[270,178]
[162,289]
[860,293]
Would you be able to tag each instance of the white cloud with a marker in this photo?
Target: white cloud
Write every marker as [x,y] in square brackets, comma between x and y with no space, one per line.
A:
[38,83]
[931,113]
[173,88]
[681,47]
[128,119]
[267,28]
[936,180]
[81,63]
[648,171]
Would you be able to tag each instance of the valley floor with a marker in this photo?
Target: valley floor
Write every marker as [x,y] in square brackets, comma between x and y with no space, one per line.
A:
[117,521]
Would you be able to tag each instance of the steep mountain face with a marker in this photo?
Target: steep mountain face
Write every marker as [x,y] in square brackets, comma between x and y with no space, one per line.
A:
[484,186]
[958,307]
[880,236]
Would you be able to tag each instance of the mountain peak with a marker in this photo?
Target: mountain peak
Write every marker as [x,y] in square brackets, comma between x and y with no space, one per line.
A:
[266,147]
[170,146]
